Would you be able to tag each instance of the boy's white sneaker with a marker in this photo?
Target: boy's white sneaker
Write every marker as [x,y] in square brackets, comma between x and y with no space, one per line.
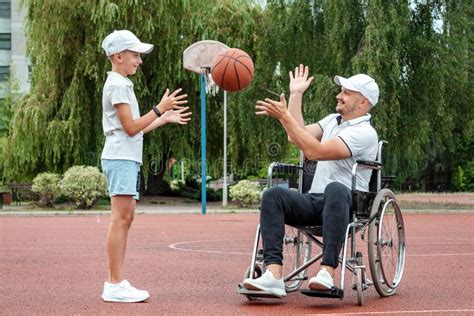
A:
[266,282]
[123,292]
[322,281]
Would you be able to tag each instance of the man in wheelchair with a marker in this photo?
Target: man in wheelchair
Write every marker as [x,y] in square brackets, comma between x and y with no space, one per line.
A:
[336,142]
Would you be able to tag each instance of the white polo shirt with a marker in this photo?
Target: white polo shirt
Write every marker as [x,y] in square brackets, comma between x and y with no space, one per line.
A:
[118,145]
[362,141]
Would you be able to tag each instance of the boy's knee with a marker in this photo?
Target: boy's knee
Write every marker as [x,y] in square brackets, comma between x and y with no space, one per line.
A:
[124,220]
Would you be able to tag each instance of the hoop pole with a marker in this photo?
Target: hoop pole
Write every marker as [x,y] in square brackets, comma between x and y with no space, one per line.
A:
[203,144]
[224,191]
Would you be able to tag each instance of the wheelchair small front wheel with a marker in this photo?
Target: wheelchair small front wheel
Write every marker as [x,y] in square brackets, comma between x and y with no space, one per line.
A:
[359,286]
[296,252]
[257,272]
[386,243]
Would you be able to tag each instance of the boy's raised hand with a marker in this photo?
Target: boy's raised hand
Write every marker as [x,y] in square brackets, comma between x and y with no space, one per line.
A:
[172,101]
[179,116]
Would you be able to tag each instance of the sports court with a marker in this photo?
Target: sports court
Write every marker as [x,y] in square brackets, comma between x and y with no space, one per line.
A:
[191,264]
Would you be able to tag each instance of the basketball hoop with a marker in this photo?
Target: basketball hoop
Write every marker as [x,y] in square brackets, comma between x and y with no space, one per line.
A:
[198,58]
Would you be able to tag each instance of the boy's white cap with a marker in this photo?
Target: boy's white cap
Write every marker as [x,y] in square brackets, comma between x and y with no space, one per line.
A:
[119,41]
[362,83]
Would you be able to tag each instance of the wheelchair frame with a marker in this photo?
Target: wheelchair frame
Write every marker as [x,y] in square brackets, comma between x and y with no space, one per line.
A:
[380,207]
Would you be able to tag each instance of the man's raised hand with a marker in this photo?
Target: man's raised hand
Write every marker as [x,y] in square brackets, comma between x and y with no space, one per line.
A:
[269,107]
[299,82]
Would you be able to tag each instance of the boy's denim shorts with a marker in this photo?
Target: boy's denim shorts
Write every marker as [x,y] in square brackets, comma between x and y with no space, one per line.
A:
[123,177]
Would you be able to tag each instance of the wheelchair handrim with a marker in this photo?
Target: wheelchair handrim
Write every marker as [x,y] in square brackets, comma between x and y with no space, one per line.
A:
[392,284]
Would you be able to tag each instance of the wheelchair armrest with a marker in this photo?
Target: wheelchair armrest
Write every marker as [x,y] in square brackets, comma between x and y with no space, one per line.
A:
[369,164]
[284,167]
[281,167]
[366,164]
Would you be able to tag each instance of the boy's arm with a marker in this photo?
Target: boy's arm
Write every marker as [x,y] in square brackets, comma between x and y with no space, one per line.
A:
[180,117]
[130,126]
[133,127]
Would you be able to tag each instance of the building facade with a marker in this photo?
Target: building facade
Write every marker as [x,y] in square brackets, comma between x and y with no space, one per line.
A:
[13,59]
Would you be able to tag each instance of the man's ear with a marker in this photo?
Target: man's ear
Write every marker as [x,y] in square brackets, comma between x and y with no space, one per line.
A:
[363,103]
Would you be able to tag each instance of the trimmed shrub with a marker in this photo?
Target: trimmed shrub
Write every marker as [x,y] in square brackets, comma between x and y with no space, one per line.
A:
[46,184]
[84,186]
[246,193]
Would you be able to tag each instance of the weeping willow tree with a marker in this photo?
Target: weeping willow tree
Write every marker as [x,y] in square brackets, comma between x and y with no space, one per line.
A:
[420,53]
[59,123]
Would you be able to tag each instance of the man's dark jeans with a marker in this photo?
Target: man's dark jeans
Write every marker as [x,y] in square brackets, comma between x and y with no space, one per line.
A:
[282,206]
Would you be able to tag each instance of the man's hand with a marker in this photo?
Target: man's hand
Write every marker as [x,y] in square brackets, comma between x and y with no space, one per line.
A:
[179,116]
[275,109]
[172,101]
[300,81]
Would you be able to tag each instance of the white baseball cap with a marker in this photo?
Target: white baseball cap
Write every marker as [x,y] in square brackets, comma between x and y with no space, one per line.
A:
[362,83]
[119,41]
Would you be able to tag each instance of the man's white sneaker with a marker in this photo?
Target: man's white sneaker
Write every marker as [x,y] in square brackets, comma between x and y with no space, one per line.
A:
[322,281]
[266,282]
[123,292]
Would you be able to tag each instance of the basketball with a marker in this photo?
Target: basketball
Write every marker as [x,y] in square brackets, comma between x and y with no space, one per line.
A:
[232,69]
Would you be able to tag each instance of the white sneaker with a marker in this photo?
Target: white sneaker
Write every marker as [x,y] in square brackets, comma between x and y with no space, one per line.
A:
[123,292]
[266,282]
[322,281]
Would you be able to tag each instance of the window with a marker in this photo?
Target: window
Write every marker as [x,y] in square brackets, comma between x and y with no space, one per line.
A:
[5,41]
[5,9]
[4,73]
[29,72]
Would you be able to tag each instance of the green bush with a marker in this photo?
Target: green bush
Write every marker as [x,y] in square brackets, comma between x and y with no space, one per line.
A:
[246,193]
[463,178]
[46,184]
[84,186]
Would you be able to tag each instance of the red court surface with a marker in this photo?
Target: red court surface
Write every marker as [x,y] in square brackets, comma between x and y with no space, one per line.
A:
[191,264]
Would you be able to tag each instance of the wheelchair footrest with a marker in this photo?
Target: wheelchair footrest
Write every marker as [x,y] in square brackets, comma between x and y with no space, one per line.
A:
[255,294]
[334,292]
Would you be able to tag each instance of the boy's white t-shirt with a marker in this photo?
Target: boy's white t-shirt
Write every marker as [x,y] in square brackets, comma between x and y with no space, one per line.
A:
[362,141]
[118,145]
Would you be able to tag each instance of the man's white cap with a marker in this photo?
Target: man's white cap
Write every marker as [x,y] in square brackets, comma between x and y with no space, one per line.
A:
[119,41]
[362,83]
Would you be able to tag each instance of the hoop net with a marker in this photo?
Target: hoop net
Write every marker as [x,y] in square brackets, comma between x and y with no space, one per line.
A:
[211,87]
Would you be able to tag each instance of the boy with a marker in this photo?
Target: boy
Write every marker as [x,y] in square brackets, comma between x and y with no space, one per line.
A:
[122,153]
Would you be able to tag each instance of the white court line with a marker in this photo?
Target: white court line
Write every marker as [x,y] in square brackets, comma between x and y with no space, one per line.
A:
[176,246]
[440,311]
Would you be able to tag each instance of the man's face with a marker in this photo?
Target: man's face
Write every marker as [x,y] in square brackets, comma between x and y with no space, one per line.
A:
[348,101]
[129,61]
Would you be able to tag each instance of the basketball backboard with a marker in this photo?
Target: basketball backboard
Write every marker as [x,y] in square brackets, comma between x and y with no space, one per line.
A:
[198,56]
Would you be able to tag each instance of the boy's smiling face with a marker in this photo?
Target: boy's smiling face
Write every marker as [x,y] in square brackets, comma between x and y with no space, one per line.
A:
[126,63]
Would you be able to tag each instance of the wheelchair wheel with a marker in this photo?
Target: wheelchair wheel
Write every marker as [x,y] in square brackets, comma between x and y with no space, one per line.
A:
[359,286]
[296,251]
[386,243]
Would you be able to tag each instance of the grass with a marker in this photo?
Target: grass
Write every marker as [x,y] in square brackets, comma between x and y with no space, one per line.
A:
[104,205]
[157,202]
[415,205]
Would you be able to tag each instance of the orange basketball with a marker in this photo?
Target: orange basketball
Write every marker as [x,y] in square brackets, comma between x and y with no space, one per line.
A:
[232,69]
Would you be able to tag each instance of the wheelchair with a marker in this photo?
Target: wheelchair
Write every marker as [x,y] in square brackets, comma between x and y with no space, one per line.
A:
[376,218]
